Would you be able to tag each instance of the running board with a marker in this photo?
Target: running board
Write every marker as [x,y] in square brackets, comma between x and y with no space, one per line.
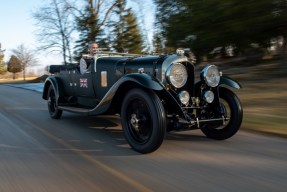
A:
[75,109]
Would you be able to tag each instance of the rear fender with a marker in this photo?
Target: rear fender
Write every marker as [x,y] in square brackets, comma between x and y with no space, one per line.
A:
[52,81]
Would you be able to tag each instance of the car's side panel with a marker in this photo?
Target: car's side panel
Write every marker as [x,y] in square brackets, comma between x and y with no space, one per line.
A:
[65,78]
[146,64]
[145,80]
[105,75]
[82,84]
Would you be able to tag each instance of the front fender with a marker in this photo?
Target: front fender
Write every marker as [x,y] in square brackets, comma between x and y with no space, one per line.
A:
[224,80]
[132,79]
[154,84]
[121,86]
[117,92]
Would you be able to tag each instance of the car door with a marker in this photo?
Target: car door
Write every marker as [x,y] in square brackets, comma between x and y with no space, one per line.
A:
[83,83]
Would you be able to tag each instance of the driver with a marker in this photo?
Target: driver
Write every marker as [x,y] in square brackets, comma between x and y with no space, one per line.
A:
[87,59]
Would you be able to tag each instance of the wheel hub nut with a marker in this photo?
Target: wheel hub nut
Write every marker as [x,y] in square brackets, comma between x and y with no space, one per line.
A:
[134,121]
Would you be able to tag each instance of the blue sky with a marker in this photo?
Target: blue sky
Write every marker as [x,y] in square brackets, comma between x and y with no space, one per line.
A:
[16,22]
[17,26]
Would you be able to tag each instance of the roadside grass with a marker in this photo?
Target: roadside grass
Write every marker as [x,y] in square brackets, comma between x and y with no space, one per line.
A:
[265,107]
[11,81]
[264,100]
[265,123]
[20,80]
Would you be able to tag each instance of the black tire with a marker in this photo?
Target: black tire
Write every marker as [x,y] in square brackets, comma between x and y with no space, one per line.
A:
[54,112]
[143,120]
[233,109]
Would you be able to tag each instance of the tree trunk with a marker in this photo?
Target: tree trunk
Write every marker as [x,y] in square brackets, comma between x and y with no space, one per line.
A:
[24,74]
[284,56]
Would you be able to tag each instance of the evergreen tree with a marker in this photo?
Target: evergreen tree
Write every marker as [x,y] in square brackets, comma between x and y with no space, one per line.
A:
[90,23]
[126,30]
[3,68]
[158,43]
[87,25]
[14,65]
[206,24]
[132,34]
[119,25]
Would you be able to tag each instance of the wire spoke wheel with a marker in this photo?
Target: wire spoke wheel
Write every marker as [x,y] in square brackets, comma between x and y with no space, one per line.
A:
[232,113]
[54,112]
[139,120]
[143,120]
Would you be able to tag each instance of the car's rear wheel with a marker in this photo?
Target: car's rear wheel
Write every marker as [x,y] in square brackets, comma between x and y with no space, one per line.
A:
[54,112]
[143,120]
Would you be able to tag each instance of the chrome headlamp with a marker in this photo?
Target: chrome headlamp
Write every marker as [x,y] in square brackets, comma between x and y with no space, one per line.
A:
[184,97]
[176,74]
[208,96]
[211,75]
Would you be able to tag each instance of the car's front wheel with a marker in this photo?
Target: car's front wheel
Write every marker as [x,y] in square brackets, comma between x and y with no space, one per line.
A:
[143,120]
[232,108]
[54,112]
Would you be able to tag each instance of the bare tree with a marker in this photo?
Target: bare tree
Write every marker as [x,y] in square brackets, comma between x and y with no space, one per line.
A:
[26,57]
[55,27]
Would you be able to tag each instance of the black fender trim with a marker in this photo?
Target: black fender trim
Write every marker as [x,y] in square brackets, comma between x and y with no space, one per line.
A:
[51,81]
[224,80]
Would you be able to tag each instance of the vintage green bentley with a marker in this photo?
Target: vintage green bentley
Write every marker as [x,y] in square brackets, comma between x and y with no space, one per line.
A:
[152,94]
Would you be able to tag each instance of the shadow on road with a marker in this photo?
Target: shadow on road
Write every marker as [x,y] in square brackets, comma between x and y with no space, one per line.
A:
[96,135]
[191,135]
[103,135]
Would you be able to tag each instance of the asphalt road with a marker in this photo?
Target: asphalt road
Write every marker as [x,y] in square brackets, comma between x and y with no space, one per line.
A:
[83,154]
